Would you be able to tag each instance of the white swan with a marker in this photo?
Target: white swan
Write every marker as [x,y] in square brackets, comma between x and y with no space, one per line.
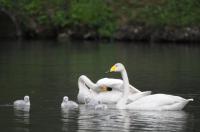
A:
[22,103]
[150,102]
[99,90]
[68,104]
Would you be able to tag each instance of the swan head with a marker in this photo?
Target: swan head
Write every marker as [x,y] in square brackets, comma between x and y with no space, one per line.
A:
[118,67]
[26,98]
[65,99]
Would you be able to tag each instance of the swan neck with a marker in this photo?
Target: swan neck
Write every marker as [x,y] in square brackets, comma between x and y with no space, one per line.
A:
[83,80]
[121,104]
[125,83]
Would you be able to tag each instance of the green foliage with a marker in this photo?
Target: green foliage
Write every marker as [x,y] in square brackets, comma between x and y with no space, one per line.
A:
[103,16]
[60,18]
[172,12]
[45,12]
[95,14]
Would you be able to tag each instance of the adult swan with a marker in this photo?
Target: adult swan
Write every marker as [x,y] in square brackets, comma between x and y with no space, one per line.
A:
[106,90]
[150,102]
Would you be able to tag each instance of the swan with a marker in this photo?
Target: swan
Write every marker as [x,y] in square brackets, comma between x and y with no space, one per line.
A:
[22,103]
[68,104]
[107,90]
[150,102]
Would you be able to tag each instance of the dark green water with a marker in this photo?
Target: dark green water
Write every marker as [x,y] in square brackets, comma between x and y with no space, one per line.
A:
[48,70]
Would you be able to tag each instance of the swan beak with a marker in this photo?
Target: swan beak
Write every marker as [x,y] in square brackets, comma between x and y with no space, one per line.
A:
[113,68]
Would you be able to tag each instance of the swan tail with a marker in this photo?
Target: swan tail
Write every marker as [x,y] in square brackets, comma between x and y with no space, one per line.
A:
[190,99]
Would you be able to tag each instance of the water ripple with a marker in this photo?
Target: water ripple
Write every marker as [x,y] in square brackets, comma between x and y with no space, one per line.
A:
[88,119]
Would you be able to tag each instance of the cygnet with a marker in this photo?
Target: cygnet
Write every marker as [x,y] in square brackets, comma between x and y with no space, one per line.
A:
[22,103]
[68,104]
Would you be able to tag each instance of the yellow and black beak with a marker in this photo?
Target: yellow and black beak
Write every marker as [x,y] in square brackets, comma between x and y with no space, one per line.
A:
[113,69]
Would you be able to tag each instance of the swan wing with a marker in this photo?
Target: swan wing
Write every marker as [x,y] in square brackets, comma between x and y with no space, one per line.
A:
[21,103]
[136,96]
[133,89]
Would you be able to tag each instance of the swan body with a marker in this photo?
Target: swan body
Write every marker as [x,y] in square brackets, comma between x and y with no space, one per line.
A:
[68,104]
[93,90]
[150,102]
[22,103]
[159,102]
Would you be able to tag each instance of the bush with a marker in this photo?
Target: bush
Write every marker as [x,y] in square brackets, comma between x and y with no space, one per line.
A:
[173,12]
[94,14]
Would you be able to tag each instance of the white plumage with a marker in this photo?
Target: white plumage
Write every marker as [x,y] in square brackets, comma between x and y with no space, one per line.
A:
[93,90]
[150,102]
[68,104]
[21,103]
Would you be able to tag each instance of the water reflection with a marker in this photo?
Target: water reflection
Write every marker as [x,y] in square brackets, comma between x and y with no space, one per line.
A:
[22,119]
[112,119]
[158,120]
[69,119]
[22,108]
[103,120]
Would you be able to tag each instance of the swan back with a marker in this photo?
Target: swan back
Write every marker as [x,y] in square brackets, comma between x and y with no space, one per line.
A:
[159,102]
[136,96]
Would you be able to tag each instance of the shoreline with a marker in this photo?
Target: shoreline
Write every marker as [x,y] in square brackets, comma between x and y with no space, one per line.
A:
[132,33]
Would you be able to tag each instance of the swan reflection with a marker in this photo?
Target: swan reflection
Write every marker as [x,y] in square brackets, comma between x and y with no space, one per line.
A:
[22,119]
[69,119]
[159,120]
[114,119]
[110,119]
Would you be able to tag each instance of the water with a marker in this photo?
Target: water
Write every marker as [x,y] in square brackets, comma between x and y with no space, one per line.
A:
[48,70]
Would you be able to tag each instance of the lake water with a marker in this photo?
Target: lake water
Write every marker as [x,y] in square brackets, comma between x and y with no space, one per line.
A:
[49,70]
